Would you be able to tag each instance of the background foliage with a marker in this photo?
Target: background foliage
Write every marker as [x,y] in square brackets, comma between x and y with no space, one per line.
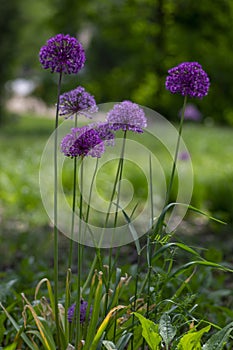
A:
[130,44]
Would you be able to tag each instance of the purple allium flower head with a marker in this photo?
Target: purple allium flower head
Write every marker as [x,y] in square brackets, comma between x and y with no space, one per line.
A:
[127,116]
[83,311]
[62,53]
[191,112]
[82,142]
[77,101]
[89,140]
[105,132]
[188,79]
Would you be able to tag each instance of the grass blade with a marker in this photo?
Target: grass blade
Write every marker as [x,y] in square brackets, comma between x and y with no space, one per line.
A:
[218,340]
[18,329]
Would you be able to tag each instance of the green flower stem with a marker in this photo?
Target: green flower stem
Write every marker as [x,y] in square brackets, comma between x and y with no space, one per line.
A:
[148,245]
[55,212]
[79,269]
[117,179]
[67,304]
[93,265]
[70,256]
[159,225]
[120,176]
[176,153]
[135,300]
[73,204]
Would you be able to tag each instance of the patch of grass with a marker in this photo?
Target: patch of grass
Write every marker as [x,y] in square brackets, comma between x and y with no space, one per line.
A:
[211,150]
[22,141]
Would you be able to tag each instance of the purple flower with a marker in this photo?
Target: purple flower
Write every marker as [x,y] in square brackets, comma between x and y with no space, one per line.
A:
[62,53]
[127,116]
[104,131]
[83,311]
[88,140]
[82,142]
[191,112]
[188,79]
[77,101]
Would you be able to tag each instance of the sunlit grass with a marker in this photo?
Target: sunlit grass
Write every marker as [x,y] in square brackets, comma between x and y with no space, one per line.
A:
[23,139]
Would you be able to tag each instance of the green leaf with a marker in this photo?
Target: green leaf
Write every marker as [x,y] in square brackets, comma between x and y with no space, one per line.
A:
[191,340]
[200,262]
[2,327]
[149,332]
[42,326]
[109,345]
[18,329]
[103,326]
[11,347]
[190,207]
[217,340]
[123,341]
[166,329]
[91,331]
[175,244]
[132,230]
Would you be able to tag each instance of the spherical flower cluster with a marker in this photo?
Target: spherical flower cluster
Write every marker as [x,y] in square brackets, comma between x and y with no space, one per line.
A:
[83,311]
[188,79]
[104,132]
[88,140]
[127,116]
[82,142]
[62,53]
[77,101]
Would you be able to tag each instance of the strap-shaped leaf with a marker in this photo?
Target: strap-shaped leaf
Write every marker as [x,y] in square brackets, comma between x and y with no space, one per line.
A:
[217,340]
[166,329]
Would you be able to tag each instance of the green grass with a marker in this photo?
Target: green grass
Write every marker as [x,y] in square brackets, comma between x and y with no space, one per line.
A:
[26,236]
[211,151]
[22,141]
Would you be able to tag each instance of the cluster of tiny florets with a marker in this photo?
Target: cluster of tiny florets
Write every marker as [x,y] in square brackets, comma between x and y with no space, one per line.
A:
[81,142]
[65,54]
[77,101]
[83,311]
[90,140]
[188,79]
[127,116]
[62,53]
[104,132]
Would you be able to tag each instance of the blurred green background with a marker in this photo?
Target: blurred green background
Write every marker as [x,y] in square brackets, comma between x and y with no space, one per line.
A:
[129,46]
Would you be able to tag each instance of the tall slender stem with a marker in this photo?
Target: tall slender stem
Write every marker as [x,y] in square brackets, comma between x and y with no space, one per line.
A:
[134,304]
[176,152]
[120,176]
[56,211]
[78,299]
[117,179]
[73,204]
[71,247]
[148,245]
[93,265]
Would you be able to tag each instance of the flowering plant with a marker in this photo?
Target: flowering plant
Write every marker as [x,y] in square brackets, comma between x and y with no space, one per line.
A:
[92,315]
